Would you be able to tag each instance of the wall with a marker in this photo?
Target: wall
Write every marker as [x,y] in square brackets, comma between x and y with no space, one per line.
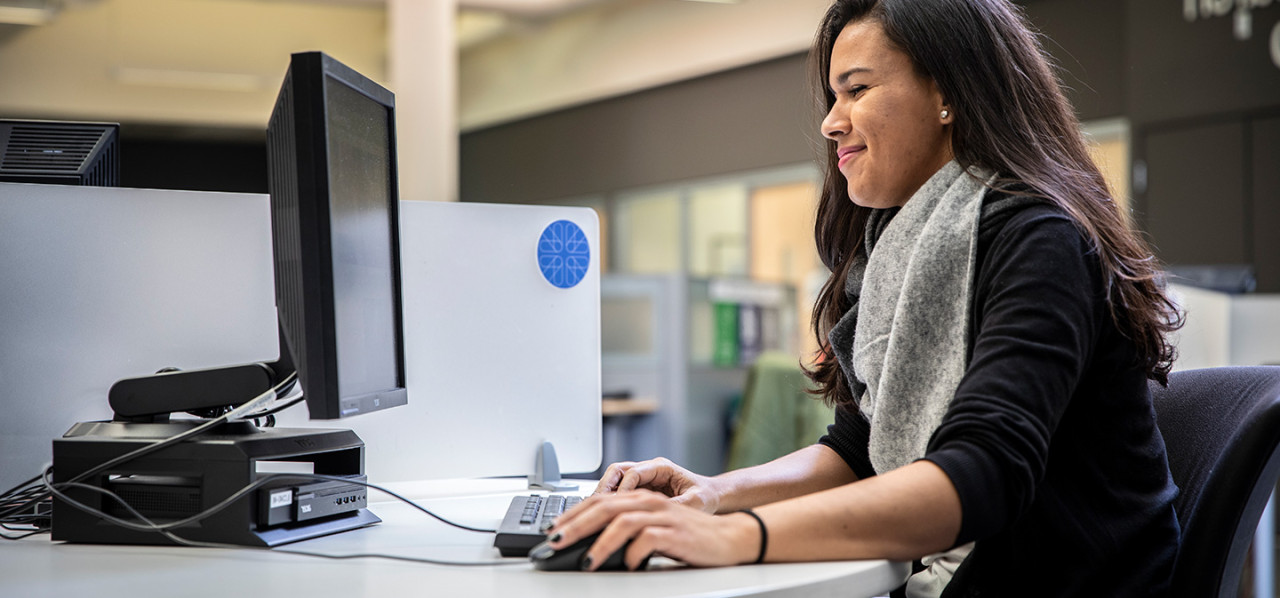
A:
[747,118]
[194,159]
[1085,39]
[755,116]
[1204,97]
[1203,110]
[620,47]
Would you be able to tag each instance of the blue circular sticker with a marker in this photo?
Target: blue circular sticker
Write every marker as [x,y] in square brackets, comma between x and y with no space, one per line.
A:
[563,254]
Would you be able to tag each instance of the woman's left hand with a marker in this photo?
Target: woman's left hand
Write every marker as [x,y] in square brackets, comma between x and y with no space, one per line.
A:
[656,525]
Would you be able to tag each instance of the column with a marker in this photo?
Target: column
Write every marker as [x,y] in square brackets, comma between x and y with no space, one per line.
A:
[423,61]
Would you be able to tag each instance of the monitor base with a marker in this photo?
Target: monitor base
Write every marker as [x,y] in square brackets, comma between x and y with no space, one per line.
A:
[189,477]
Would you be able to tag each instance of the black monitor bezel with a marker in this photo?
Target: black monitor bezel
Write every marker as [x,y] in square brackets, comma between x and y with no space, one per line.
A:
[303,92]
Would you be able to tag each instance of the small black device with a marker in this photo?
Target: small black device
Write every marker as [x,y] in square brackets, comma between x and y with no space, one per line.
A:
[288,503]
[191,476]
[527,520]
[335,236]
[60,153]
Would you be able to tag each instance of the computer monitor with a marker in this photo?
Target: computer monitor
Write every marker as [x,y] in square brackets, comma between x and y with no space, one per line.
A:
[334,220]
[335,238]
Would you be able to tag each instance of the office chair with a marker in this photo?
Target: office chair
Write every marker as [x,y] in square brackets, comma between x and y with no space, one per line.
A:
[1221,427]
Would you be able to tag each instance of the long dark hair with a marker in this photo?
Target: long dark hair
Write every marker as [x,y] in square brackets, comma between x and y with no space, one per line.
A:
[1010,115]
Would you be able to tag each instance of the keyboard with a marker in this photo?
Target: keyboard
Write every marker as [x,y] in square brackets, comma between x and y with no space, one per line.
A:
[527,520]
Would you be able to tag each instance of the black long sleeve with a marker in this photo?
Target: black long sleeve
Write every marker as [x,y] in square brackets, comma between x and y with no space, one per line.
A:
[1050,440]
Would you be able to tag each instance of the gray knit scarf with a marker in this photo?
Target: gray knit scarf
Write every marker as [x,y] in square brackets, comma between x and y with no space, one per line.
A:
[903,345]
[910,320]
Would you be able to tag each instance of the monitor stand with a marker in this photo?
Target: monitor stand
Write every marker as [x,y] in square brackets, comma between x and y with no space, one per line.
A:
[191,476]
[546,471]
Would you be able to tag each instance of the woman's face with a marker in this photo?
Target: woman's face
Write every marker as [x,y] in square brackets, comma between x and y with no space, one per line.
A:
[887,119]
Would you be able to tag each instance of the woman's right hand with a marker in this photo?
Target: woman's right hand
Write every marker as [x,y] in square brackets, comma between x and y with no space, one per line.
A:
[661,475]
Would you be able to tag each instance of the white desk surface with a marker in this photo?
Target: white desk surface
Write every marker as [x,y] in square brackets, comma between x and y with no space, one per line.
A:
[38,568]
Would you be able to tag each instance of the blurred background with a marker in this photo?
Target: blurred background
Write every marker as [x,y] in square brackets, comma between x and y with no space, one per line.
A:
[689,126]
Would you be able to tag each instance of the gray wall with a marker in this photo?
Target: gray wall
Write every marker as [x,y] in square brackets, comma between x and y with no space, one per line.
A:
[749,118]
[1086,40]
[1204,109]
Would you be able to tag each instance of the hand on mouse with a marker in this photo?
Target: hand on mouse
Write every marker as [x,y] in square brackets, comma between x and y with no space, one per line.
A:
[657,525]
[661,475]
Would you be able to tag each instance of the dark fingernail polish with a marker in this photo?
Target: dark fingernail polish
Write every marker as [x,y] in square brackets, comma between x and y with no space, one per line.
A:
[541,551]
[586,563]
[555,537]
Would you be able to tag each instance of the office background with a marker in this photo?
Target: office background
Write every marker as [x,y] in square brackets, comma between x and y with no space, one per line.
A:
[687,125]
[580,100]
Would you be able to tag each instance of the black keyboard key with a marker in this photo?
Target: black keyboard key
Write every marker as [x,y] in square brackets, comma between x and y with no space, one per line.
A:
[527,520]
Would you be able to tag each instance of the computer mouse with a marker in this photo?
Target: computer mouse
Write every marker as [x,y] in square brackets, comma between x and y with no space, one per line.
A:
[570,557]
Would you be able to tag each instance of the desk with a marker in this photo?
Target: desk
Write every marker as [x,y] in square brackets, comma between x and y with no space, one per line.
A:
[38,568]
[628,423]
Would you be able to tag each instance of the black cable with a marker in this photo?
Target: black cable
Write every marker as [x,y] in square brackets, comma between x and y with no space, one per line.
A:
[28,496]
[403,500]
[274,410]
[16,502]
[26,535]
[176,438]
[151,448]
[22,499]
[412,559]
[29,482]
[55,489]
[163,529]
[22,507]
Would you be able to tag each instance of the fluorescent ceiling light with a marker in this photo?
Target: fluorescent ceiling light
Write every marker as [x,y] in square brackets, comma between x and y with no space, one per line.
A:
[27,12]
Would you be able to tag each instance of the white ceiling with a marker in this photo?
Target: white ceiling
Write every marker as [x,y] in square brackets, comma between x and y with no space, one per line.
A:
[217,62]
[527,8]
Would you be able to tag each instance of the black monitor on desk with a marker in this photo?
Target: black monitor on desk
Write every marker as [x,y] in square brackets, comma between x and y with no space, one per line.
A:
[331,156]
[335,237]
[332,166]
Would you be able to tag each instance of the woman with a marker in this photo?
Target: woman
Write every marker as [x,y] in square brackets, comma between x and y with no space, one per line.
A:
[990,327]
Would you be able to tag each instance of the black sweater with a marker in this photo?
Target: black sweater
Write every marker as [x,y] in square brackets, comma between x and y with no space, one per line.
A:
[1051,440]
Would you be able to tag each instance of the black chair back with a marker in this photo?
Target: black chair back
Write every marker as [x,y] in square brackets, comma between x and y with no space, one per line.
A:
[1221,427]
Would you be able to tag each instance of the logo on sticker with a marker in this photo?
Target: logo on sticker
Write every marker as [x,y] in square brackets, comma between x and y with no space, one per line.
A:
[564,254]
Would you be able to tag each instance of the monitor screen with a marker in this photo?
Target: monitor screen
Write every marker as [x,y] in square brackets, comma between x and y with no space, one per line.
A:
[332,166]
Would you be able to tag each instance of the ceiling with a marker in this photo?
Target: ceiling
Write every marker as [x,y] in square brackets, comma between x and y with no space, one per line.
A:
[525,8]
[478,20]
[217,62]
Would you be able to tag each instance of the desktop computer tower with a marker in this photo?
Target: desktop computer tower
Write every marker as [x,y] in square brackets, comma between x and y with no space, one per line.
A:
[189,477]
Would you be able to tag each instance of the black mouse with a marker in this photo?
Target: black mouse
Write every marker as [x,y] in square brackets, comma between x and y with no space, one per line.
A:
[570,557]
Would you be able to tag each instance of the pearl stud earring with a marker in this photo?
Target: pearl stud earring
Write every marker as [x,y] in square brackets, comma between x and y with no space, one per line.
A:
[945,114]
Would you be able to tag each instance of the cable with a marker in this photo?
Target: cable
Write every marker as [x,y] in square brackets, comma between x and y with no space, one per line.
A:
[238,413]
[21,505]
[26,494]
[234,414]
[406,501]
[55,489]
[164,528]
[275,410]
[6,493]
